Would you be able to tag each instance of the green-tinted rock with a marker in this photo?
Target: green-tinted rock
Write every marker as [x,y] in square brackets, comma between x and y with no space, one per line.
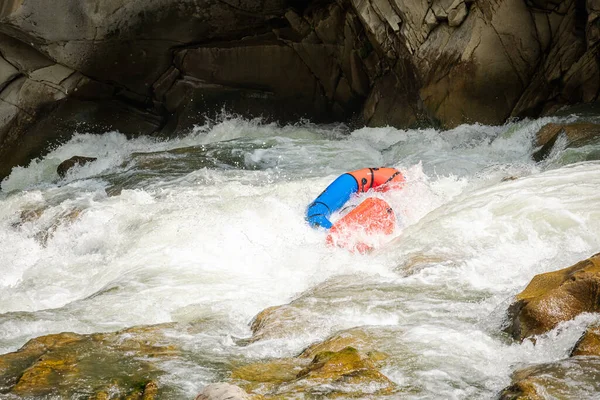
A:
[96,365]
[331,374]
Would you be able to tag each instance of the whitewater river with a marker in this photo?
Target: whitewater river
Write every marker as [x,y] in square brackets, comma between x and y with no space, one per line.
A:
[209,228]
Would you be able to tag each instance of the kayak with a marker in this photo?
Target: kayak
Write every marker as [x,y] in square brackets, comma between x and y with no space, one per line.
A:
[359,230]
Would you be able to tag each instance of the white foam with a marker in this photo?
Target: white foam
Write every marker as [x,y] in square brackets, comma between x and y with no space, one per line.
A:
[221,244]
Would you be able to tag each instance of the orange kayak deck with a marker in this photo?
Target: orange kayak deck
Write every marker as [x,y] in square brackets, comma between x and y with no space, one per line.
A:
[357,230]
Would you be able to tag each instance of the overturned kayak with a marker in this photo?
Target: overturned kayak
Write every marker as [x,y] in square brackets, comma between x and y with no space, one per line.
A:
[372,218]
[340,190]
[357,229]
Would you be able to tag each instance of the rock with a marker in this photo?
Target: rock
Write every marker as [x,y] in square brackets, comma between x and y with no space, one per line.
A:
[223,391]
[159,67]
[588,344]
[554,297]
[330,368]
[330,373]
[572,378]
[45,102]
[457,14]
[355,338]
[577,134]
[269,373]
[67,364]
[72,162]
[275,322]
[47,229]
[333,364]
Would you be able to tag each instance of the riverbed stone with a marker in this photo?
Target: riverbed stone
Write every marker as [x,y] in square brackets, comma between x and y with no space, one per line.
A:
[275,322]
[328,373]
[345,363]
[72,162]
[555,297]
[96,365]
[577,134]
[589,343]
[224,391]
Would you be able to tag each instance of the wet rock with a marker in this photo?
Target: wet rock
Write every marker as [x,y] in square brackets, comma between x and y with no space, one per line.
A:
[356,338]
[66,364]
[577,134]
[224,391]
[275,322]
[329,369]
[75,161]
[555,297]
[333,364]
[29,216]
[48,228]
[328,374]
[572,378]
[589,343]
[45,102]
[417,261]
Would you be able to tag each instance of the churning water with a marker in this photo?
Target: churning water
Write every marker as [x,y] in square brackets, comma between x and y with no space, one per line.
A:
[209,227]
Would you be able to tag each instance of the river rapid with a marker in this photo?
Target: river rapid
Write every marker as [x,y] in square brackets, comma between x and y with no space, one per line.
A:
[209,228]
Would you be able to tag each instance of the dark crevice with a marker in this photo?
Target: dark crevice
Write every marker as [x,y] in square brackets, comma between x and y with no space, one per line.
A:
[4,85]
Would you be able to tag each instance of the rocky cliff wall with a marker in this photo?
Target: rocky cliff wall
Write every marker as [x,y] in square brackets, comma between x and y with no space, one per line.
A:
[157,66]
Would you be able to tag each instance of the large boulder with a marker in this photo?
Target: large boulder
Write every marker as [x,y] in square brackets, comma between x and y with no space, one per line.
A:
[159,66]
[555,297]
[42,102]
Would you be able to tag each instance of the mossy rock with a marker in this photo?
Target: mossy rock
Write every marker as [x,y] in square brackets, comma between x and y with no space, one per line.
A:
[65,364]
[328,374]
[555,297]
[277,371]
[357,338]
[333,364]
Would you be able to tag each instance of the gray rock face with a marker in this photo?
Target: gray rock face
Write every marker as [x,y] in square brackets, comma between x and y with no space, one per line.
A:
[158,66]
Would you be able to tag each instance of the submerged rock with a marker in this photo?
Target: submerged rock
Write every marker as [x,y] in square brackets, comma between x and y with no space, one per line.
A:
[46,225]
[224,391]
[72,162]
[275,322]
[577,134]
[555,297]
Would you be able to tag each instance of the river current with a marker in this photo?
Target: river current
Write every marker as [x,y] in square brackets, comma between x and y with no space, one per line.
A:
[209,228]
